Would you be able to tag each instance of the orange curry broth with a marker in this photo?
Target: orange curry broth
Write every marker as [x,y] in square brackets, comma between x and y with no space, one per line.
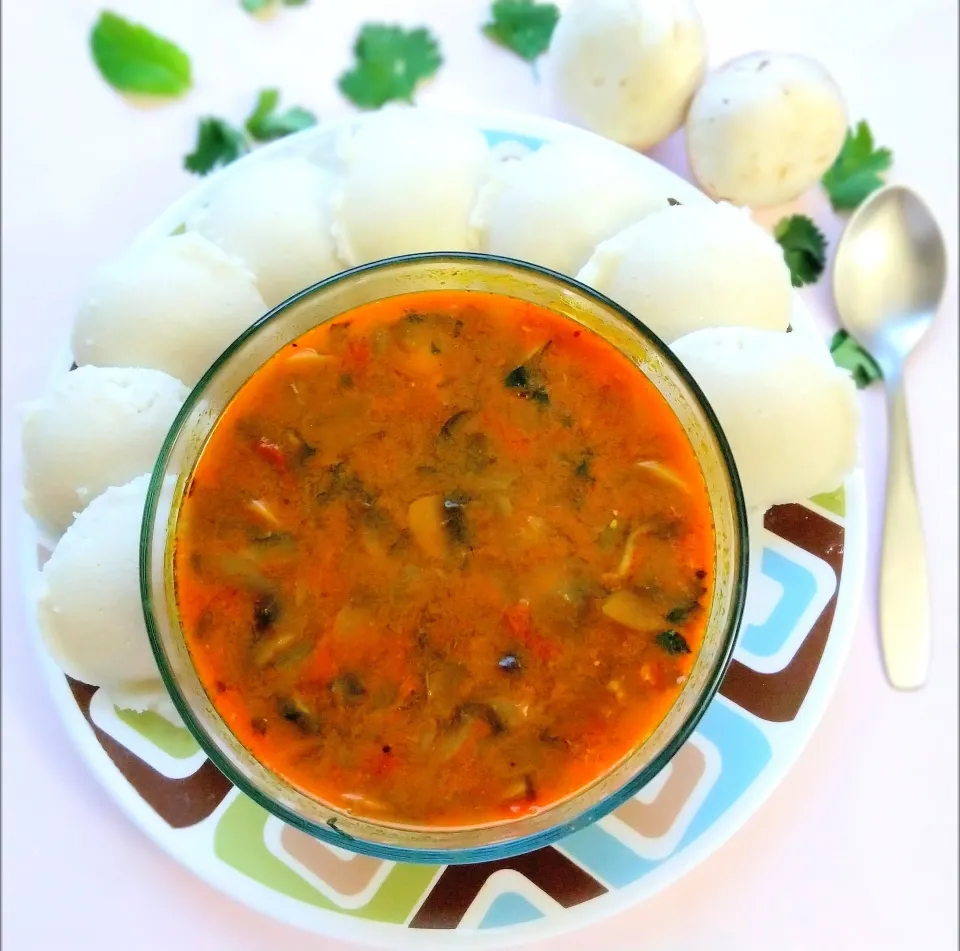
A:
[445,560]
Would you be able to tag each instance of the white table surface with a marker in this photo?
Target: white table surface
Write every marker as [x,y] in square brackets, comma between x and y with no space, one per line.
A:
[857,848]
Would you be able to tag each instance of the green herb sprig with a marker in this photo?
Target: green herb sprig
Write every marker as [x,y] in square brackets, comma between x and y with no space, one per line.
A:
[523,26]
[219,142]
[856,171]
[804,248]
[134,59]
[849,355]
[390,62]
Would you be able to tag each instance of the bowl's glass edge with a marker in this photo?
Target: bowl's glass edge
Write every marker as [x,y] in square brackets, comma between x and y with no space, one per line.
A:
[503,848]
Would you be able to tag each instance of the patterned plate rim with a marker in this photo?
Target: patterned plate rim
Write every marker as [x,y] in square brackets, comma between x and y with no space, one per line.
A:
[288,910]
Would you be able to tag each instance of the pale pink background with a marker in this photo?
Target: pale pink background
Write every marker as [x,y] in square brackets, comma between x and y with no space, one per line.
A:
[857,848]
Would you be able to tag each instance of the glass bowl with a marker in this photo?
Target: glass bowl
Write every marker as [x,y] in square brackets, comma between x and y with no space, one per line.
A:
[323,302]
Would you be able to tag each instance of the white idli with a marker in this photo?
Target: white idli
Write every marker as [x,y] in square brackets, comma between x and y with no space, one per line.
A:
[173,304]
[276,217]
[93,428]
[410,181]
[89,606]
[763,128]
[790,415]
[554,205]
[694,266]
[627,69]
[143,698]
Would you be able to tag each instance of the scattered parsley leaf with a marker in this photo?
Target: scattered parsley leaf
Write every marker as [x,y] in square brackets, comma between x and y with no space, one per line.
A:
[673,642]
[218,143]
[804,248]
[856,171]
[265,124]
[390,61]
[135,60]
[849,355]
[523,26]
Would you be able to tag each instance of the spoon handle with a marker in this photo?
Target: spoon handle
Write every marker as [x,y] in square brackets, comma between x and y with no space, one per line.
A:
[904,589]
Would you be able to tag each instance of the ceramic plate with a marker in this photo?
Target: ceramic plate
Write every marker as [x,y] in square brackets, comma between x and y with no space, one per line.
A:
[796,632]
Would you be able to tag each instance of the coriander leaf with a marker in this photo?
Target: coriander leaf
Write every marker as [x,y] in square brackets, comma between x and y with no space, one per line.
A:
[133,59]
[390,61]
[523,26]
[849,355]
[294,3]
[267,100]
[264,124]
[855,172]
[804,248]
[218,143]
[673,642]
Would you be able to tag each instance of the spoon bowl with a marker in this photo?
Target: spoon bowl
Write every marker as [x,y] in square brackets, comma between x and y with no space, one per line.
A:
[889,273]
[889,276]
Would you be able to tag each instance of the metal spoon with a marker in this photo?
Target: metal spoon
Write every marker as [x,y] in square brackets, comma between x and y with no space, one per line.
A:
[888,280]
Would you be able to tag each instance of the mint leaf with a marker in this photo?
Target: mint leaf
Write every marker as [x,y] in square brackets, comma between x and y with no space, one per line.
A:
[390,61]
[218,143]
[523,26]
[855,173]
[134,60]
[849,355]
[804,248]
[264,124]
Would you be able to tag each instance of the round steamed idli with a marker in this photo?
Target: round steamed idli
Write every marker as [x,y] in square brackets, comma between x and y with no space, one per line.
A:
[791,416]
[173,305]
[764,127]
[89,603]
[276,217]
[628,68]
[410,180]
[93,428]
[553,206]
[141,698]
[694,266]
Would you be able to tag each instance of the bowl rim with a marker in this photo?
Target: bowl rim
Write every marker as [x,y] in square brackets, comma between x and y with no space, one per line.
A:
[328,833]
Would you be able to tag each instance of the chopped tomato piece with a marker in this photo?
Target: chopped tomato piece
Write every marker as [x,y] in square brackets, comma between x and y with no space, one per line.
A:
[359,354]
[272,453]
